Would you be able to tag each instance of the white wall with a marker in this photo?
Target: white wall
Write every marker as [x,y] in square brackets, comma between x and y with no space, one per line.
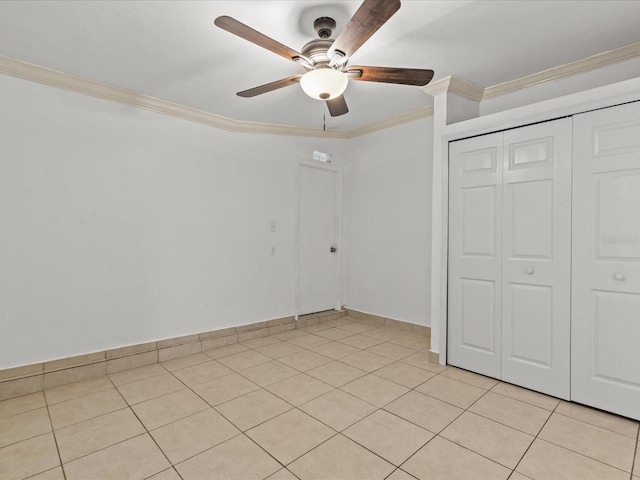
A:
[387,222]
[120,226]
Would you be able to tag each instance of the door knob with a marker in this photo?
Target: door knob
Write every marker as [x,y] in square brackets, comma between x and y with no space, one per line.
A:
[619,277]
[529,271]
[333,249]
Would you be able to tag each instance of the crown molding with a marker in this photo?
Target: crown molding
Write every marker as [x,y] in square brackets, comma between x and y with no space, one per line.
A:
[454,85]
[47,76]
[392,122]
[569,69]
[474,92]
[55,78]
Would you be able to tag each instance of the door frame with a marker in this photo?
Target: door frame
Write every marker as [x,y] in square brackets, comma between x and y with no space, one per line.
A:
[594,99]
[338,264]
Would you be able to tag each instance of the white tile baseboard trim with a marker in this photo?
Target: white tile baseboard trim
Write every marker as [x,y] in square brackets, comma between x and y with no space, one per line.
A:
[39,376]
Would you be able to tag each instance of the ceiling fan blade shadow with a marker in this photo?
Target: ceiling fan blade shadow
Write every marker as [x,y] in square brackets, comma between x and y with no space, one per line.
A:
[402,76]
[371,15]
[269,87]
[232,25]
[337,106]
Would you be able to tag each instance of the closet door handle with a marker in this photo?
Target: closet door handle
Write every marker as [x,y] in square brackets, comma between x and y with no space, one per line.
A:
[529,271]
[619,277]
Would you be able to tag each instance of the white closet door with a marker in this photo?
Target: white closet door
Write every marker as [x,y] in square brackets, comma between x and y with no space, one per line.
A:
[475,226]
[536,257]
[605,344]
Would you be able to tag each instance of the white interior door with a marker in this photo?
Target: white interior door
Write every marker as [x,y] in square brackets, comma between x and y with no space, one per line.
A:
[475,226]
[606,260]
[318,229]
[536,259]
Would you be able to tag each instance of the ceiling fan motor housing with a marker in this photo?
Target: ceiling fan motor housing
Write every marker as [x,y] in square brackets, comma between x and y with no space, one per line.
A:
[316,49]
[324,26]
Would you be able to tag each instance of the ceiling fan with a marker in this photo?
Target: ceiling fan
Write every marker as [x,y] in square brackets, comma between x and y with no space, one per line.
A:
[325,58]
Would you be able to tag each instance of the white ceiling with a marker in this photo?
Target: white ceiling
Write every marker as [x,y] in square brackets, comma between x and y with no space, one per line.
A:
[172,50]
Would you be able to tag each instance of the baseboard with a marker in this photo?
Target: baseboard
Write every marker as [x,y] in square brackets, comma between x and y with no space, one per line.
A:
[26,379]
[379,321]
[434,357]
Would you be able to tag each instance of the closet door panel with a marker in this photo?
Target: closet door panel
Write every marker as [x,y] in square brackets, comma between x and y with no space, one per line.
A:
[536,237]
[606,260]
[475,223]
[531,328]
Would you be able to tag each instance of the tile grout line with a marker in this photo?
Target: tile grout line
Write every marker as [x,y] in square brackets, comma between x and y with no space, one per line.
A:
[594,425]
[504,424]
[147,431]
[162,471]
[437,435]
[107,447]
[297,407]
[539,431]
[145,428]
[79,396]
[402,418]
[320,421]
[139,379]
[274,458]
[398,468]
[98,416]
[55,438]
[465,410]
[336,433]
[294,407]
[242,432]
[100,449]
[338,359]
[582,454]
[523,401]
[94,417]
[284,380]
[635,454]
[25,411]
[32,435]
[536,437]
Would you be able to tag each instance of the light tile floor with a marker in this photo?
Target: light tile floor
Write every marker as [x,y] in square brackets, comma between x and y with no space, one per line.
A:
[339,400]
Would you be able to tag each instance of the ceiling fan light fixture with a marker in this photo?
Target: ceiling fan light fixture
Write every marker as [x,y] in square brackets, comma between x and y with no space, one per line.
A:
[324,83]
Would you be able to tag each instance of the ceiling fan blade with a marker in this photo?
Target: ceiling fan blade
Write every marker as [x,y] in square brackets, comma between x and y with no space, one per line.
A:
[243,31]
[371,15]
[403,76]
[337,106]
[269,87]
